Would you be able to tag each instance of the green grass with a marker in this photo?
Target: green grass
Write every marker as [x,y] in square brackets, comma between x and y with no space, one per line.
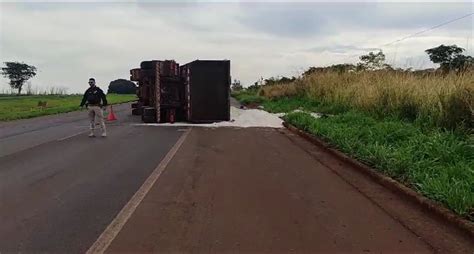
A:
[436,163]
[288,104]
[13,107]
[248,97]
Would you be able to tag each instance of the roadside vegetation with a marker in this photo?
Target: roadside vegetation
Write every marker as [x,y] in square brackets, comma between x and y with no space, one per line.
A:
[414,126]
[18,107]
[249,97]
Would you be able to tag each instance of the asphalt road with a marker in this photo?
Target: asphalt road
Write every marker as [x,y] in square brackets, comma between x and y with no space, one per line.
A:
[59,188]
[19,135]
[256,190]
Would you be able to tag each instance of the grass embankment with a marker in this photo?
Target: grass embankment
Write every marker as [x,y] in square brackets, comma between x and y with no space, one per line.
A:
[19,107]
[248,97]
[415,129]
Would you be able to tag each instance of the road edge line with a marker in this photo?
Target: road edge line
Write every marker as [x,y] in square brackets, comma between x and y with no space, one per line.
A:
[112,230]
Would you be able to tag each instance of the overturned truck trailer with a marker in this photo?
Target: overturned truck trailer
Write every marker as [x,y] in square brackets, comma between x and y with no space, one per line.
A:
[207,86]
[196,92]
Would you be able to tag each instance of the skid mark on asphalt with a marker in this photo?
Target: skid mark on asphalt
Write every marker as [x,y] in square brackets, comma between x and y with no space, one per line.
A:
[109,234]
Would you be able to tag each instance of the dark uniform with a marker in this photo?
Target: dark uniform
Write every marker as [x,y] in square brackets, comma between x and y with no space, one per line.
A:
[94,98]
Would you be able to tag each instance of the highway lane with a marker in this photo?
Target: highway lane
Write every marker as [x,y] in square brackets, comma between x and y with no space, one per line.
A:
[19,135]
[58,190]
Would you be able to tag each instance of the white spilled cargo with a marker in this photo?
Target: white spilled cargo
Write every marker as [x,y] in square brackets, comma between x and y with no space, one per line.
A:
[242,118]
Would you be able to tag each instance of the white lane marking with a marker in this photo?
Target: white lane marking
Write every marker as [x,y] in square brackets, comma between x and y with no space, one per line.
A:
[73,135]
[109,234]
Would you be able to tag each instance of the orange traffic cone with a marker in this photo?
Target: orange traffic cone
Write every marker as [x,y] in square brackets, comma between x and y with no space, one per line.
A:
[111,116]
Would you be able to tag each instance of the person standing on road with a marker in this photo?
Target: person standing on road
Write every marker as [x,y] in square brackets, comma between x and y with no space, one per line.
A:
[94,99]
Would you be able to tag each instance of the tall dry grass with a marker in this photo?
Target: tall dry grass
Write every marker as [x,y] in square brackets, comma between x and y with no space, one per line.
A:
[442,100]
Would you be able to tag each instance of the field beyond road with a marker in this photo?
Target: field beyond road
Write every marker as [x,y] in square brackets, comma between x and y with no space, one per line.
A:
[19,107]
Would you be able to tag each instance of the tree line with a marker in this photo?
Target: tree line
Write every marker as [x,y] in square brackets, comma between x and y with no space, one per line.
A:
[449,57]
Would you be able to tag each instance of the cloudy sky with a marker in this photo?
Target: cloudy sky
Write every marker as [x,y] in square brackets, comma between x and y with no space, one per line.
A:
[70,42]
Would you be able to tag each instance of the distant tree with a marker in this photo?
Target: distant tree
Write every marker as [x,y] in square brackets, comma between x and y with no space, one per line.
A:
[444,55]
[341,68]
[310,71]
[462,63]
[372,61]
[236,86]
[279,80]
[449,57]
[255,86]
[285,80]
[122,86]
[18,73]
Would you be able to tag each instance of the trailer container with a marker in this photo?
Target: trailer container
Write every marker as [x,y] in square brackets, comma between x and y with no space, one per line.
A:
[207,84]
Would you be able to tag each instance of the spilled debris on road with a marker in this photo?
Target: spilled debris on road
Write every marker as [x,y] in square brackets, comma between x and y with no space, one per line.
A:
[242,118]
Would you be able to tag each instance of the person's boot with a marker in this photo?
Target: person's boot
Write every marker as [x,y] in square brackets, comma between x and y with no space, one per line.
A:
[91,134]
[104,134]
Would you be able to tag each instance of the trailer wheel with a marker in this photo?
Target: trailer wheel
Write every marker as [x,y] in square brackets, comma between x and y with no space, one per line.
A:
[137,111]
[149,111]
[148,119]
[149,115]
